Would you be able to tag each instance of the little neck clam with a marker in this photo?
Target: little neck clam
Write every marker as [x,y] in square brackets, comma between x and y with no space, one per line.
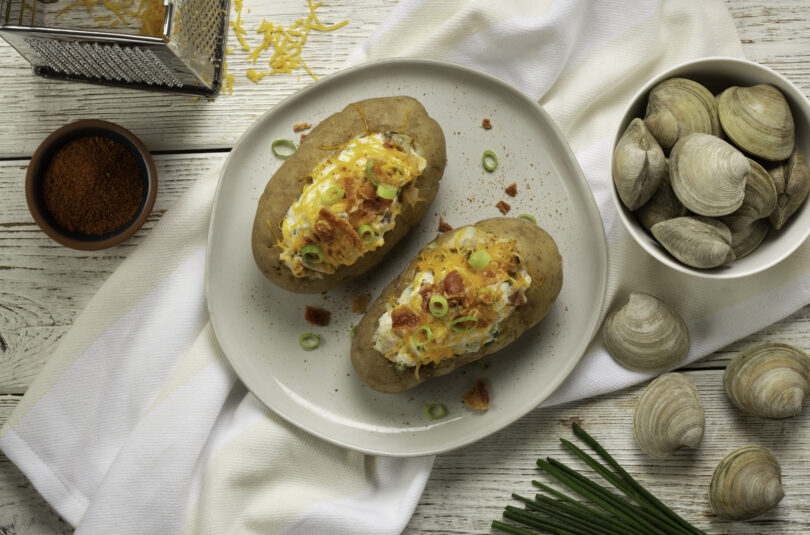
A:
[747,482]
[677,107]
[700,242]
[668,416]
[758,120]
[769,380]
[708,175]
[646,335]
[639,165]
[792,182]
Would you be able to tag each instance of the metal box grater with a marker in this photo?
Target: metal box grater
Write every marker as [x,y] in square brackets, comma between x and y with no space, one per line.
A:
[75,40]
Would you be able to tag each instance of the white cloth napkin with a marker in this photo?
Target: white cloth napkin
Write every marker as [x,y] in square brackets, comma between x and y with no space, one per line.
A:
[138,425]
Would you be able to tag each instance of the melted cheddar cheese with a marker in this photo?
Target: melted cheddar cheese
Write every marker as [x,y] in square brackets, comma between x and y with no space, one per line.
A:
[489,294]
[333,228]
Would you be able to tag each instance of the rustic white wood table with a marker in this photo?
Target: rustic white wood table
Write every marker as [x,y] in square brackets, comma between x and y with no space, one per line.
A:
[44,286]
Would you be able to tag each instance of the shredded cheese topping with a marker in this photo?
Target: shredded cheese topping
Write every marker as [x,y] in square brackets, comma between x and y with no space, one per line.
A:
[489,294]
[333,227]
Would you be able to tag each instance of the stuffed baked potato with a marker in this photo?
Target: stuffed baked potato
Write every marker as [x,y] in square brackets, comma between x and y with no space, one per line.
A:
[467,294]
[362,178]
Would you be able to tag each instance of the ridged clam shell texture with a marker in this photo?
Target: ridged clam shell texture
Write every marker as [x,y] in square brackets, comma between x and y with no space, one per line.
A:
[669,416]
[769,380]
[746,483]
[638,165]
[700,242]
[677,107]
[646,335]
[792,182]
[757,120]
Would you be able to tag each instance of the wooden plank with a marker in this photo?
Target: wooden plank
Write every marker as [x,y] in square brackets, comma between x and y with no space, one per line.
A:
[44,286]
[471,486]
[172,122]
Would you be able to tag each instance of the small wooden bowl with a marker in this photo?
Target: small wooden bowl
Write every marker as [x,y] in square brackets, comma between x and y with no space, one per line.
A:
[41,159]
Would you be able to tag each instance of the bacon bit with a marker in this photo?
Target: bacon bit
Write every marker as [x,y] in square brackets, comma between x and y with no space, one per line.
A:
[388,143]
[511,189]
[302,138]
[453,284]
[403,318]
[503,207]
[517,298]
[360,303]
[444,226]
[334,230]
[477,397]
[426,292]
[297,127]
[486,124]
[317,316]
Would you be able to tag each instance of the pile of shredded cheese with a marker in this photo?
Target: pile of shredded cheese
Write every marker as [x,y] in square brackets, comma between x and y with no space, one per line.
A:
[150,14]
[285,44]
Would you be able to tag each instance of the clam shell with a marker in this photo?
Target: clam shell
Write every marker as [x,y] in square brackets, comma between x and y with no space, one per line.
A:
[792,182]
[769,380]
[662,205]
[708,175]
[646,335]
[639,165]
[745,239]
[747,482]
[760,196]
[757,120]
[677,107]
[668,416]
[699,242]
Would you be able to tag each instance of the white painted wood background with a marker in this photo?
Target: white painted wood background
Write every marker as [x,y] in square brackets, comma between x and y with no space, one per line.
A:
[44,286]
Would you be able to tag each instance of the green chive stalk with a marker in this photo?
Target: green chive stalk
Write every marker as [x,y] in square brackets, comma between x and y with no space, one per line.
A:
[603,512]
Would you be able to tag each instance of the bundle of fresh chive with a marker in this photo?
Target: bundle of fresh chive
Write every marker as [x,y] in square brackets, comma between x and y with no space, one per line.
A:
[604,511]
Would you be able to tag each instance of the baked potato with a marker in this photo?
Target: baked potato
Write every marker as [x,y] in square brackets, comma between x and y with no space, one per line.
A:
[362,178]
[468,293]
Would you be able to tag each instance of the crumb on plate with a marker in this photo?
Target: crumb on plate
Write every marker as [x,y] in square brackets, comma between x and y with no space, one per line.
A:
[317,316]
[511,189]
[444,226]
[297,127]
[477,397]
[486,124]
[360,303]
[503,207]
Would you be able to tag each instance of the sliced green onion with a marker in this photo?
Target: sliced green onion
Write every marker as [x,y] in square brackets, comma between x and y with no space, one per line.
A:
[528,217]
[479,259]
[434,411]
[387,191]
[353,331]
[464,319]
[332,195]
[420,339]
[309,341]
[486,295]
[401,366]
[366,233]
[370,173]
[287,144]
[312,254]
[438,305]
[489,160]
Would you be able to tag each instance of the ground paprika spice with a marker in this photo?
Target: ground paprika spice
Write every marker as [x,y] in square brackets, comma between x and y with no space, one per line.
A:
[92,185]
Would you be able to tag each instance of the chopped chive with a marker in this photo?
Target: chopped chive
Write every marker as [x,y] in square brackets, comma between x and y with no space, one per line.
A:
[489,160]
[309,341]
[287,144]
[435,411]
[528,217]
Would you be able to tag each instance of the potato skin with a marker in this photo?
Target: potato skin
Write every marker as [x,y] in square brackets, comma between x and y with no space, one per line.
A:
[538,251]
[285,186]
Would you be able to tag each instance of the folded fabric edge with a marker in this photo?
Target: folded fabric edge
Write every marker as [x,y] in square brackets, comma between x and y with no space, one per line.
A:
[66,500]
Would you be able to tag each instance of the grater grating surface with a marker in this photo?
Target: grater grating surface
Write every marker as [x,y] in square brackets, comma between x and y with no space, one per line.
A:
[61,42]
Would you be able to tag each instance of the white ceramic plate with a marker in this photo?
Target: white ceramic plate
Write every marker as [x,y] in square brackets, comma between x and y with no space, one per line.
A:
[258,324]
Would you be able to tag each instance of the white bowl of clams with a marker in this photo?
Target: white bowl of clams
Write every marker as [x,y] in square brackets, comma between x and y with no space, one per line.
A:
[709,167]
